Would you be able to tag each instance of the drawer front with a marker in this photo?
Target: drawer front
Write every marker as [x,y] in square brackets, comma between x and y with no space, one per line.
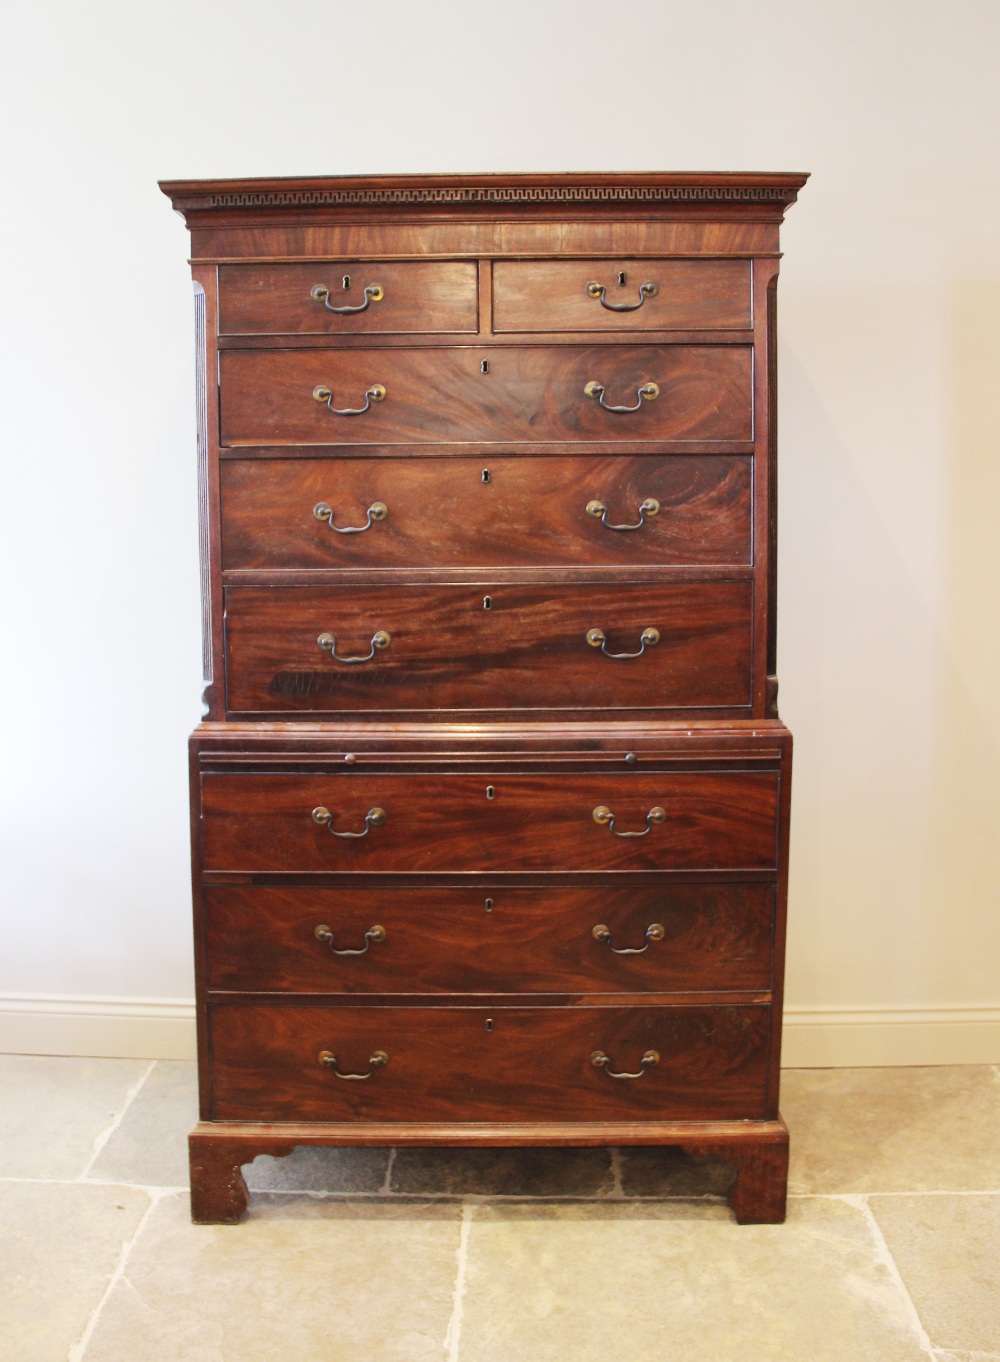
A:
[588,295]
[471,1064]
[390,296]
[530,394]
[598,939]
[440,512]
[484,647]
[712,820]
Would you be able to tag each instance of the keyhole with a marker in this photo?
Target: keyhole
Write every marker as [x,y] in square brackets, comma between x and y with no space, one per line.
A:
[486,475]
[490,792]
[489,1023]
[347,282]
[487,602]
[621,277]
[484,368]
[489,905]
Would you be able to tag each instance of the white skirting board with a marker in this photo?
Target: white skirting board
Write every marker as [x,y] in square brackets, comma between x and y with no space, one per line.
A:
[815,1037]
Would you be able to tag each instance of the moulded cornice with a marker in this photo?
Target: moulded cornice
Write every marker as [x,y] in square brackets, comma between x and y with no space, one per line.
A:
[774,192]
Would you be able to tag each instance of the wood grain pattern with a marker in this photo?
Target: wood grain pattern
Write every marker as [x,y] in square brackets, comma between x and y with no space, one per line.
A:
[530,394]
[231,237]
[500,939]
[531,512]
[551,295]
[716,820]
[419,296]
[529,1064]
[529,649]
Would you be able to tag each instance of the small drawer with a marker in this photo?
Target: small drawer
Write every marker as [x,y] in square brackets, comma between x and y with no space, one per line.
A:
[359,821]
[358,649]
[348,297]
[287,1062]
[492,939]
[525,394]
[684,509]
[621,295]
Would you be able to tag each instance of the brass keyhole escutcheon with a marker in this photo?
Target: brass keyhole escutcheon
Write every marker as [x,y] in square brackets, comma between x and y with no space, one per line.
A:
[487,602]
[491,792]
[347,282]
[486,475]
[489,1023]
[489,905]
[621,278]
[484,368]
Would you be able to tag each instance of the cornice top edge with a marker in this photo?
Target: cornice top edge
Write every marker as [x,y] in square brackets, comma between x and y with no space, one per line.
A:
[409,192]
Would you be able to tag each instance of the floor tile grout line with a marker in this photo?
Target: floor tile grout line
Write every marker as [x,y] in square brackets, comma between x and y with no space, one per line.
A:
[889,1262]
[386,1188]
[917,1191]
[78,1350]
[105,1135]
[492,1198]
[597,1198]
[453,1333]
[617,1192]
[154,1189]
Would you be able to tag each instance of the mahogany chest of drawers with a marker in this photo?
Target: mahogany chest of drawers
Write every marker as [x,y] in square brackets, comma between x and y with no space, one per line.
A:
[490,804]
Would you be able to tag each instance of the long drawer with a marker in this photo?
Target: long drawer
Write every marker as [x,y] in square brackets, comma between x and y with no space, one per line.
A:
[621,295]
[496,939]
[286,1062]
[559,647]
[528,395]
[412,821]
[349,297]
[458,512]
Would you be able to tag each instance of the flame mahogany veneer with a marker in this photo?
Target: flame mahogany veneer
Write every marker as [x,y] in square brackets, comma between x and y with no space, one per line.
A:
[466,872]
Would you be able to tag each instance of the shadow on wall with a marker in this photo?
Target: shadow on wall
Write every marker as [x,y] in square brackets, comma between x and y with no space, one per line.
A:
[889,658]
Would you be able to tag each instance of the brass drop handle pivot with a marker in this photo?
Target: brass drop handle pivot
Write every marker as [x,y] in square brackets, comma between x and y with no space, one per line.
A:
[376,933]
[646,290]
[380,640]
[654,932]
[599,511]
[603,815]
[649,392]
[374,818]
[378,1059]
[601,1061]
[375,393]
[378,510]
[374,293]
[647,639]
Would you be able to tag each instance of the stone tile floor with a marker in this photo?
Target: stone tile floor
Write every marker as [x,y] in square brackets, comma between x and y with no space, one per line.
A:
[891,1250]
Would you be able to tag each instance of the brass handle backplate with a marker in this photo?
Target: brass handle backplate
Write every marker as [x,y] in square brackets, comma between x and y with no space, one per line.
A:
[380,640]
[601,1061]
[654,932]
[649,392]
[374,818]
[378,1059]
[647,290]
[378,510]
[647,639]
[376,933]
[374,293]
[603,815]
[599,511]
[375,393]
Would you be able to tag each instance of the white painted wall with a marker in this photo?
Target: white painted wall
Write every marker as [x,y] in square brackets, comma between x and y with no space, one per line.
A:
[890,467]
